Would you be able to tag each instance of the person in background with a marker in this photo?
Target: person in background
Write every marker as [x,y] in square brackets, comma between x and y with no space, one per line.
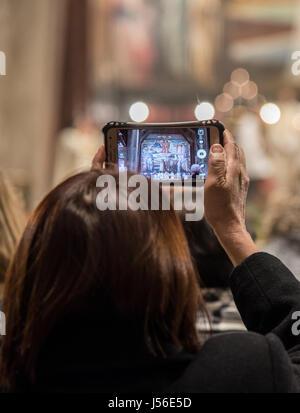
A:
[250,135]
[75,148]
[282,225]
[283,138]
[107,301]
[12,223]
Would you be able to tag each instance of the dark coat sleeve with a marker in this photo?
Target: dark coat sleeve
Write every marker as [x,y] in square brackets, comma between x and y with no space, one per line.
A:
[267,295]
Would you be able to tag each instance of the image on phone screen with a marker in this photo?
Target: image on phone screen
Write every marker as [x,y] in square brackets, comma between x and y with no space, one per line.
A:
[164,154]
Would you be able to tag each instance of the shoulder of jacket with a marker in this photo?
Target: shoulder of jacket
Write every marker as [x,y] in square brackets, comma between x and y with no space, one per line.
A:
[241,362]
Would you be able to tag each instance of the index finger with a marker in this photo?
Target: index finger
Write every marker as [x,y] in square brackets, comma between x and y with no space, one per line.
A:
[230,146]
[228,138]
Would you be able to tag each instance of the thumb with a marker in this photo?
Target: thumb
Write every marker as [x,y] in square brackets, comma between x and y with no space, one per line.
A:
[217,165]
[99,158]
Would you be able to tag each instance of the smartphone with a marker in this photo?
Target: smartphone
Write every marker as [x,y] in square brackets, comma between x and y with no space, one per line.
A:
[164,151]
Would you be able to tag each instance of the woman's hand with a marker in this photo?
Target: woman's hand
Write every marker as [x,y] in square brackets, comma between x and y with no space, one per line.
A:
[226,186]
[225,194]
[99,158]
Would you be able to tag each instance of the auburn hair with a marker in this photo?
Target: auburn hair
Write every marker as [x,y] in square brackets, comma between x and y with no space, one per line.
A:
[12,222]
[135,264]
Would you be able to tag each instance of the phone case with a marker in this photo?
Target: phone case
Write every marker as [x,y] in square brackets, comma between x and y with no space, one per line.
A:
[134,125]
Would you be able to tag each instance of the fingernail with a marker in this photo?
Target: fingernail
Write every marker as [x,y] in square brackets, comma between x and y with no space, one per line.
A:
[217,148]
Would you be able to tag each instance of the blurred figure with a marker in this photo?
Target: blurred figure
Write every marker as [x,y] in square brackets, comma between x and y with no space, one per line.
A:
[12,223]
[251,137]
[282,228]
[284,138]
[75,148]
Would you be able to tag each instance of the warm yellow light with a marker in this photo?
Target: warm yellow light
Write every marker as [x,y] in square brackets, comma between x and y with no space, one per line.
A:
[233,89]
[249,90]
[240,76]
[224,102]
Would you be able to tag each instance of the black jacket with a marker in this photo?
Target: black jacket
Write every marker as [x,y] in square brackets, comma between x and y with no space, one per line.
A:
[265,359]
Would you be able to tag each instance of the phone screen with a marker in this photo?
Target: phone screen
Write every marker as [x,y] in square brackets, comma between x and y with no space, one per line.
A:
[165,154]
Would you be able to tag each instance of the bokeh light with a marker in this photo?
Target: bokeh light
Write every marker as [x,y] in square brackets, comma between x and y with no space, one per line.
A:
[232,89]
[139,111]
[240,76]
[249,90]
[224,102]
[270,113]
[204,110]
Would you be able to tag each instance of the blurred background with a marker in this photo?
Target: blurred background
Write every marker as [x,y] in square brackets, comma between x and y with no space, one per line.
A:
[73,65]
